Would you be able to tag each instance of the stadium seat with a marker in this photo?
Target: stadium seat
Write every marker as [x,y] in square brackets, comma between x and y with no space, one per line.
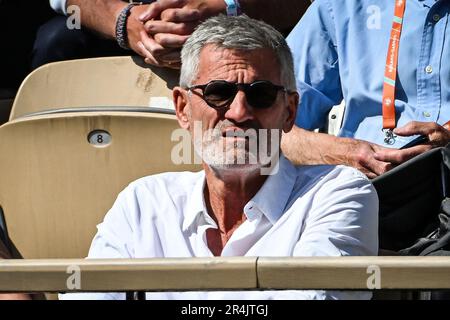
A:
[101,82]
[61,172]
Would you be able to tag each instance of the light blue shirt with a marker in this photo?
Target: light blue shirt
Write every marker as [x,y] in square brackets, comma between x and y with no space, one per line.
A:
[340,49]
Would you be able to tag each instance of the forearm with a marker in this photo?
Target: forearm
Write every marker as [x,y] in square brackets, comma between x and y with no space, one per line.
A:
[99,15]
[308,148]
[282,14]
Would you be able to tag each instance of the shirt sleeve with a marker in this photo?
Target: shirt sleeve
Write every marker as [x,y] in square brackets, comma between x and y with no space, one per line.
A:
[314,49]
[343,222]
[59,6]
[114,238]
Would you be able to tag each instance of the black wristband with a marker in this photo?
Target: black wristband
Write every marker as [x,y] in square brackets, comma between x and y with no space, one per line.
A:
[121,26]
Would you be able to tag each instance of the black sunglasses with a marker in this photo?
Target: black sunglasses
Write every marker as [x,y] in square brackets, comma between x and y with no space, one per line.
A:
[218,94]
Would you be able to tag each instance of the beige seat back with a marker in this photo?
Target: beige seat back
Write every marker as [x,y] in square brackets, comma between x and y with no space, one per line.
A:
[111,81]
[56,186]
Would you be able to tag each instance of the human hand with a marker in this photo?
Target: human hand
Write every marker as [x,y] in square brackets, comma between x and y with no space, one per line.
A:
[361,155]
[137,34]
[169,23]
[165,37]
[161,40]
[136,31]
[437,136]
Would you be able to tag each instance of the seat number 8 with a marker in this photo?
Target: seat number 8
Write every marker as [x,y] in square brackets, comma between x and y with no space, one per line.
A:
[99,138]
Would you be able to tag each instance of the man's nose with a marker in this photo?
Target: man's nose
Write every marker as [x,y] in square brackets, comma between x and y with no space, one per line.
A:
[239,110]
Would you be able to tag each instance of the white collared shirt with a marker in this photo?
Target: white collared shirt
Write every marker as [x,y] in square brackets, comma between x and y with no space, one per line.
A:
[300,211]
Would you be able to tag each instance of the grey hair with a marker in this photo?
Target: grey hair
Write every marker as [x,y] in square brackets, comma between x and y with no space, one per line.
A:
[241,33]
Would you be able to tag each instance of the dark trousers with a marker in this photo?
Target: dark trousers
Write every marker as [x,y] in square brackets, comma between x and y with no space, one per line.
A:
[56,42]
[19,22]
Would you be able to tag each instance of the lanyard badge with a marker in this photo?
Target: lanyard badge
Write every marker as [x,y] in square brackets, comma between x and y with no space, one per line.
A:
[390,73]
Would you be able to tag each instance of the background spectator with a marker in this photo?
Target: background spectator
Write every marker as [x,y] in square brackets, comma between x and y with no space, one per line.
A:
[154,31]
[340,49]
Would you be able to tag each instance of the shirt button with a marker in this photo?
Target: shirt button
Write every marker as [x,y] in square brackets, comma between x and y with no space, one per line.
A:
[426,114]
[436,17]
[429,69]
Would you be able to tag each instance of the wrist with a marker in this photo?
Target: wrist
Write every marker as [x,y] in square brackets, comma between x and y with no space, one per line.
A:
[121,27]
[112,9]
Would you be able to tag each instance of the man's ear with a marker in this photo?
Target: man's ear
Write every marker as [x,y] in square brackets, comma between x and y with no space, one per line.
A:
[182,105]
[291,110]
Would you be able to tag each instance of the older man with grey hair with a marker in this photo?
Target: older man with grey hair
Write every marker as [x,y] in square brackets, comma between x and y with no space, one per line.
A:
[237,77]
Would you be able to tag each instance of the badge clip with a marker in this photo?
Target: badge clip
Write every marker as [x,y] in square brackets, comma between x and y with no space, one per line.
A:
[389,136]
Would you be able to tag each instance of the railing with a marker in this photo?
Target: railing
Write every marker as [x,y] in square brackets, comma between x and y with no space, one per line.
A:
[246,273]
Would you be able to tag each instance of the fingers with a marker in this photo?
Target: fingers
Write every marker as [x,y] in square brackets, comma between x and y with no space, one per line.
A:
[180,15]
[376,167]
[163,61]
[170,31]
[155,54]
[150,45]
[158,26]
[170,40]
[162,52]
[144,49]
[143,52]
[416,127]
[437,135]
[362,156]
[399,156]
[156,8]
[171,60]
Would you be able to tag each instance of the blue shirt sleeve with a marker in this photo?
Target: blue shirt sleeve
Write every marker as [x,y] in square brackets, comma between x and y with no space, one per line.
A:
[313,45]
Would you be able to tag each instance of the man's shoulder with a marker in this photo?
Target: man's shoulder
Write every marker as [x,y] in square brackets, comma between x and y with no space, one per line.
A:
[325,186]
[335,174]
[351,173]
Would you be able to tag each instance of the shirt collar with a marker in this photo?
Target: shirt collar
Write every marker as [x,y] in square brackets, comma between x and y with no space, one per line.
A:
[270,200]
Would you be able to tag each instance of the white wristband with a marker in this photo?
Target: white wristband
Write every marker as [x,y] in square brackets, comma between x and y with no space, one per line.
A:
[233,8]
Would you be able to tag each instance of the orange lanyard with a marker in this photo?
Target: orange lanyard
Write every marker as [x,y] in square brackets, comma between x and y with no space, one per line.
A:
[390,73]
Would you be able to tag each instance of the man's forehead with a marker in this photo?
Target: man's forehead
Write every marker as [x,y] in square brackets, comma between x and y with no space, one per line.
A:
[216,60]
[212,52]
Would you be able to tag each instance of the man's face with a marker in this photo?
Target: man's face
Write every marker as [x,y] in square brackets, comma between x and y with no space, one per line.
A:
[237,135]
